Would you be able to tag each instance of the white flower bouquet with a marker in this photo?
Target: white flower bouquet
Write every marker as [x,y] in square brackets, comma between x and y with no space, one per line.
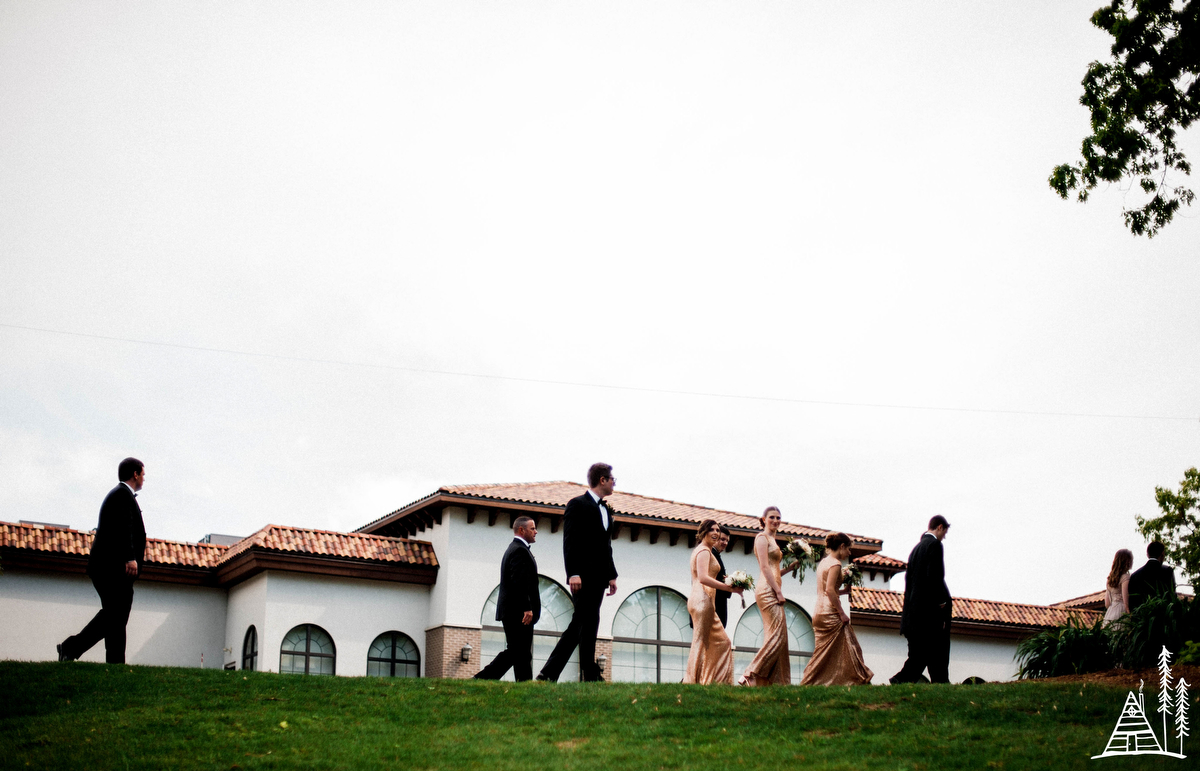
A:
[740,579]
[851,576]
[800,555]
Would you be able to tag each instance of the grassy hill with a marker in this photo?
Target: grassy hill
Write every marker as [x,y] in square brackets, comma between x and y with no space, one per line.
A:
[117,717]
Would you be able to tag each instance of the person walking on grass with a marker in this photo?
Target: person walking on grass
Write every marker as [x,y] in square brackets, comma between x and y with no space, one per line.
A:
[118,550]
[925,619]
[518,607]
[587,554]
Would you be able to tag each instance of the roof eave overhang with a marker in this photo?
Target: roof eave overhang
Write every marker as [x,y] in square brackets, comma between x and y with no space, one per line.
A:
[57,562]
[254,560]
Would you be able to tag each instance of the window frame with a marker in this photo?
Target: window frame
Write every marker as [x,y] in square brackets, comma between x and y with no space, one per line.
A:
[250,649]
[393,661]
[657,643]
[308,653]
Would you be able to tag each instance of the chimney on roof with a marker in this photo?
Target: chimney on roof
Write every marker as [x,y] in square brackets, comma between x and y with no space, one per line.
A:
[43,525]
[217,539]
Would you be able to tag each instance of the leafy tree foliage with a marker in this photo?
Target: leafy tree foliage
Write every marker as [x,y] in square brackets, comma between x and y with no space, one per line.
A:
[1139,100]
[1179,526]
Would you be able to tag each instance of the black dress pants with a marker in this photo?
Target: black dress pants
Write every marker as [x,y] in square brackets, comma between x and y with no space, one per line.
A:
[582,632]
[116,599]
[518,653]
[927,649]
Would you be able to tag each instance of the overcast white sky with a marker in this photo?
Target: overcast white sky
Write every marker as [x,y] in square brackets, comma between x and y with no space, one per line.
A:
[798,200]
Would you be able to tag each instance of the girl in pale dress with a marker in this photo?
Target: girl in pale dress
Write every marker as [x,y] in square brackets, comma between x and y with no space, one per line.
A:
[771,665]
[710,659]
[837,657]
[1116,590]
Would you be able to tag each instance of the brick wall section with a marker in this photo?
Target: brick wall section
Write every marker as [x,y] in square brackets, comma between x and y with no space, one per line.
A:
[443,651]
[604,648]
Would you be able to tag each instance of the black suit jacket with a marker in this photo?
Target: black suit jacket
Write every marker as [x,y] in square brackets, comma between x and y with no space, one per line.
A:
[1150,580]
[721,601]
[120,535]
[518,584]
[925,588]
[587,546]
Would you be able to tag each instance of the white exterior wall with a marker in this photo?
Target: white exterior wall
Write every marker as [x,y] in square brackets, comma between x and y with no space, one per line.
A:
[247,607]
[353,611]
[170,624]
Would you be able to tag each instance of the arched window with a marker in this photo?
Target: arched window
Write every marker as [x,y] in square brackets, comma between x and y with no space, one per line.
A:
[393,654]
[250,650]
[749,638]
[651,636]
[307,650]
[557,609]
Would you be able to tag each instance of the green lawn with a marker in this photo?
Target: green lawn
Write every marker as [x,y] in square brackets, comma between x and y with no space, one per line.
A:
[92,716]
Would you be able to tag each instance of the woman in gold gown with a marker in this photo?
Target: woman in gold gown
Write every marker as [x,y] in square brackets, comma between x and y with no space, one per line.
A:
[710,659]
[837,657]
[771,665]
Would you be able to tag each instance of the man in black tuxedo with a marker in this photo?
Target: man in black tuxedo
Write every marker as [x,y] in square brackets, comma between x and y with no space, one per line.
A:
[721,601]
[925,620]
[587,552]
[519,606]
[118,549]
[1152,579]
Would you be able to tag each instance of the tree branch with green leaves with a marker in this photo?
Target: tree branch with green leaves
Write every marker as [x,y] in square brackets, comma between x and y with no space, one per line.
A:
[1139,101]
[1179,525]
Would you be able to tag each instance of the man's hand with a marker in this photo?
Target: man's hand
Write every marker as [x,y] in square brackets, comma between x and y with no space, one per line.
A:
[574,582]
[612,587]
[131,568]
[527,619]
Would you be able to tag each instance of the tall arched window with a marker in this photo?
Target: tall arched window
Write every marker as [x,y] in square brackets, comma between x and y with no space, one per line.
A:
[749,638]
[250,650]
[307,650]
[393,654]
[651,636]
[557,609]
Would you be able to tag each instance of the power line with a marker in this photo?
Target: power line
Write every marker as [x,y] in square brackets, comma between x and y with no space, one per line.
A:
[578,384]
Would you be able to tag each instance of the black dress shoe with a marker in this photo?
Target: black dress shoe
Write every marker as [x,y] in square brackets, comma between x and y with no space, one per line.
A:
[542,678]
[61,657]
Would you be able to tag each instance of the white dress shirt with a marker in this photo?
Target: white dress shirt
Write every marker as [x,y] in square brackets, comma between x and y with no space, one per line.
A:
[603,509]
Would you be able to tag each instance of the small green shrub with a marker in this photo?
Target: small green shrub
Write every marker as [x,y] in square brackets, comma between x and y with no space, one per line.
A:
[1071,649]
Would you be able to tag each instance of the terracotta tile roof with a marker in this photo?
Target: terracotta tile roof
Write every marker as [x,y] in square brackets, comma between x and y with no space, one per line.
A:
[333,544]
[66,541]
[203,555]
[1082,602]
[879,561]
[979,611]
[630,504]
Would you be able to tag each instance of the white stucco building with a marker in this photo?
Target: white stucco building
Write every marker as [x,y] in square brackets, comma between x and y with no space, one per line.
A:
[413,593]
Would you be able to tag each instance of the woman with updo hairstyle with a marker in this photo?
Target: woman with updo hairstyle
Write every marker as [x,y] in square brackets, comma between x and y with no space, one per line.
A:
[837,657]
[710,659]
[771,665]
[1116,589]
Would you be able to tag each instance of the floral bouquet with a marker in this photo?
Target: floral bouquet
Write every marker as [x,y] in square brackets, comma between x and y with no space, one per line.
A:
[740,579]
[798,550]
[851,576]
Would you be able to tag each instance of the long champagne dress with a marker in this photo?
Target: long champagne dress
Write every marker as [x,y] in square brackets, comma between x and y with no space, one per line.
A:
[837,657]
[711,658]
[771,665]
[1116,602]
